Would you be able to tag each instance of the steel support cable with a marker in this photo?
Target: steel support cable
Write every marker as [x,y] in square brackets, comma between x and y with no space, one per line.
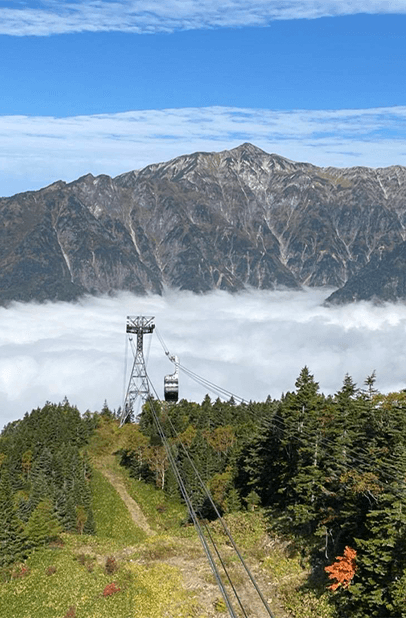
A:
[163,437]
[125,370]
[300,436]
[166,350]
[196,522]
[202,381]
[218,389]
[225,528]
[225,569]
[192,512]
[211,386]
[213,542]
[328,441]
[305,432]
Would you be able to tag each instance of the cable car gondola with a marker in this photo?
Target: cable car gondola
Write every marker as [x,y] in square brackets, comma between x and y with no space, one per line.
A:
[171,383]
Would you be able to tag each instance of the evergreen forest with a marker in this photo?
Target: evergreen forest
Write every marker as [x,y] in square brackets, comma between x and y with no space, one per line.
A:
[327,474]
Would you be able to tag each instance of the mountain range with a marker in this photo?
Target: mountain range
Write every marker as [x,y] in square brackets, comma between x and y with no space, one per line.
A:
[230,220]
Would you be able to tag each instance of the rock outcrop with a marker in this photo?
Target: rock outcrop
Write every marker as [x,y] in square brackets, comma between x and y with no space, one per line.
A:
[229,220]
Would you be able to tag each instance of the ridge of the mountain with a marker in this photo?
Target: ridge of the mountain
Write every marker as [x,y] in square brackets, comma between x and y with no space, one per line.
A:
[232,219]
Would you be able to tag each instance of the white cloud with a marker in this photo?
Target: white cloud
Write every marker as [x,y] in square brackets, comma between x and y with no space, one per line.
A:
[39,150]
[46,17]
[252,344]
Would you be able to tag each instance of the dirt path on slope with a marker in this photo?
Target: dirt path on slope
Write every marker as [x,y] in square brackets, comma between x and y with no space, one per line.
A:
[188,556]
[133,507]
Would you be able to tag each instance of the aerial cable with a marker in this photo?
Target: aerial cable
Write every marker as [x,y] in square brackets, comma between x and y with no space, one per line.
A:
[149,339]
[210,385]
[225,528]
[125,371]
[165,348]
[202,381]
[225,393]
[192,512]
[225,569]
[282,424]
[206,491]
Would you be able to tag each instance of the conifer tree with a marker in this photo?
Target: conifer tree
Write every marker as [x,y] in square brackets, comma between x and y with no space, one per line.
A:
[13,542]
[43,526]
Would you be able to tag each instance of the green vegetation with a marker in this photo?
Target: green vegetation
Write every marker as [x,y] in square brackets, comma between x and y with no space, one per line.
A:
[328,470]
[140,592]
[52,570]
[44,479]
[112,518]
[91,520]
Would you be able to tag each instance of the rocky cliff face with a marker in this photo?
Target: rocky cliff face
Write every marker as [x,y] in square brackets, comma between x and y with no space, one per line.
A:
[224,220]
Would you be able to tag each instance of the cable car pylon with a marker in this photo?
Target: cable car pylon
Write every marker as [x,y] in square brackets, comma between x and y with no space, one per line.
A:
[138,386]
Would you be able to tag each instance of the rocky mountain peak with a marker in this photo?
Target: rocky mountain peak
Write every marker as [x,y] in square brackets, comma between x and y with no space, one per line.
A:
[207,220]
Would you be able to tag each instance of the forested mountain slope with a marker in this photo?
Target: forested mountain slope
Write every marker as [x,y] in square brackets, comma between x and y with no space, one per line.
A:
[329,470]
[320,479]
[203,221]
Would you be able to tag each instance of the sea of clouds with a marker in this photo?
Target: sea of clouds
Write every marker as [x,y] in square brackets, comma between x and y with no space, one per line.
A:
[253,344]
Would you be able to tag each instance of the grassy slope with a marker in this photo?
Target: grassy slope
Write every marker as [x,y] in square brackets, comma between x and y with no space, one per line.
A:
[143,592]
[112,519]
[149,574]
[80,576]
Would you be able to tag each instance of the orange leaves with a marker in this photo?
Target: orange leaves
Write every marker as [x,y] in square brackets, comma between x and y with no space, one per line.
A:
[111,589]
[343,570]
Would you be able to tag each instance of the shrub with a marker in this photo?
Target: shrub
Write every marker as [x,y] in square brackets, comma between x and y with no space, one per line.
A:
[220,605]
[20,571]
[50,570]
[343,570]
[56,544]
[111,565]
[111,589]
[82,559]
[71,613]
[86,561]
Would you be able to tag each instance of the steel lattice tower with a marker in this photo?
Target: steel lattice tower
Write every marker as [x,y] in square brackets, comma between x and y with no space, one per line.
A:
[138,385]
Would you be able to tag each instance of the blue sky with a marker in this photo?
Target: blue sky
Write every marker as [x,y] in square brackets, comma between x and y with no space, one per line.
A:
[106,87]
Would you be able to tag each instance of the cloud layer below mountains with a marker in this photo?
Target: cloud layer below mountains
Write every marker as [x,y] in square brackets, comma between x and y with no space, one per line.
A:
[116,143]
[253,344]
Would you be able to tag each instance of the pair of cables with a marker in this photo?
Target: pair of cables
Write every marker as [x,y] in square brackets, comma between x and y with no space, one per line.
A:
[207,539]
[359,459]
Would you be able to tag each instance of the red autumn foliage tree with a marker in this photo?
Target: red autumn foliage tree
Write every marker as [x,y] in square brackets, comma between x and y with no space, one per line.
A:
[343,570]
